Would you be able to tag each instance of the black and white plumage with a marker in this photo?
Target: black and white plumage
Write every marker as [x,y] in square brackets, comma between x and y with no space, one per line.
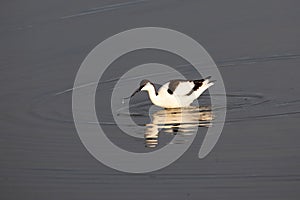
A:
[175,93]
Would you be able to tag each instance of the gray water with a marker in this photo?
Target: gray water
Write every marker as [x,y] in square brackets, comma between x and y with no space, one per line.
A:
[255,44]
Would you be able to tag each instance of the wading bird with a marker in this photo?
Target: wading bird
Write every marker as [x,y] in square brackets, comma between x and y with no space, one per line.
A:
[175,93]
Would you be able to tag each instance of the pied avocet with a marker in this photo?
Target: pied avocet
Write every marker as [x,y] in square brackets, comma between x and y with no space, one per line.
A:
[175,93]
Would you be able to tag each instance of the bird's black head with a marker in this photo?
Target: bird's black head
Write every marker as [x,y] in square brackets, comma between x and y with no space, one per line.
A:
[142,84]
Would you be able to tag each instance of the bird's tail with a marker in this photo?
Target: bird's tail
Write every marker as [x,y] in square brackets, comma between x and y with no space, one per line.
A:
[207,82]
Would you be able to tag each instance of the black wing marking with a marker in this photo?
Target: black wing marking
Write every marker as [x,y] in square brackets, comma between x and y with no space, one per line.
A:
[197,85]
[173,85]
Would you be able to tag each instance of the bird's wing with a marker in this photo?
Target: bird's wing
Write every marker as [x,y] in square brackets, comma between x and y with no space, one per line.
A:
[178,87]
[184,87]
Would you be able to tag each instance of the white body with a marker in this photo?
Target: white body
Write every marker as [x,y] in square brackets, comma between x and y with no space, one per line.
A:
[179,98]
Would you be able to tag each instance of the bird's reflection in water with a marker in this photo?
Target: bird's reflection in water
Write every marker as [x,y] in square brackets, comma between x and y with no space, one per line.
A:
[176,121]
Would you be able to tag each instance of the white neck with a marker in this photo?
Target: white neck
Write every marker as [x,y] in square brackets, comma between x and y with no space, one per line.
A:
[152,93]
